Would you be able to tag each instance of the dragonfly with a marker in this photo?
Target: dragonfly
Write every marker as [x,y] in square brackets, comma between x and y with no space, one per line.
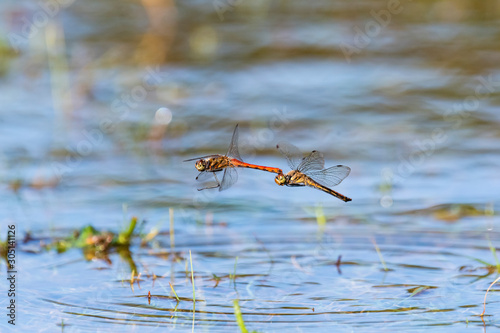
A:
[310,171]
[211,164]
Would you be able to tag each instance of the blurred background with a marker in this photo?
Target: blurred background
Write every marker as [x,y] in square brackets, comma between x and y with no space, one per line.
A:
[102,101]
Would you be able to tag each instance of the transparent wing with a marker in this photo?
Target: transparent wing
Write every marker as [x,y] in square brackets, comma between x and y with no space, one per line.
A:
[233,146]
[313,161]
[230,177]
[201,157]
[206,175]
[209,180]
[292,154]
[332,176]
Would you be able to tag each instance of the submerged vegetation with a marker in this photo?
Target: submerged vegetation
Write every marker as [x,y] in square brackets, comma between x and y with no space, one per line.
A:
[92,240]
[239,317]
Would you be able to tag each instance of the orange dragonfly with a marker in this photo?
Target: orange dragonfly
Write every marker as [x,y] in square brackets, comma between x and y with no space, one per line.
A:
[310,171]
[210,164]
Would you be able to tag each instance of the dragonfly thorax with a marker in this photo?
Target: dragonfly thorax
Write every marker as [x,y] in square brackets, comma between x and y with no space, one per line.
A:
[213,163]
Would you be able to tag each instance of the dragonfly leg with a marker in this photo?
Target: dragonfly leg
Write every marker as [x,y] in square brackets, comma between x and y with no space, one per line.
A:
[294,185]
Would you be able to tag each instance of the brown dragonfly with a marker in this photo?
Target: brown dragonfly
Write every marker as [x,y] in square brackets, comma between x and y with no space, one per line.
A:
[310,171]
[211,164]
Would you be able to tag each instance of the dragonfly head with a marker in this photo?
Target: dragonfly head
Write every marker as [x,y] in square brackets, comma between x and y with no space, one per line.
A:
[200,165]
[280,179]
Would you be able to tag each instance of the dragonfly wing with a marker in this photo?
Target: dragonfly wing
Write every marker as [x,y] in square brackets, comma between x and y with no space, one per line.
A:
[233,146]
[292,154]
[206,175]
[312,162]
[209,180]
[331,176]
[230,177]
[201,157]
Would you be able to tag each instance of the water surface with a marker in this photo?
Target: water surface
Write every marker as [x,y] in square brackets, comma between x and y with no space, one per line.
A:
[413,112]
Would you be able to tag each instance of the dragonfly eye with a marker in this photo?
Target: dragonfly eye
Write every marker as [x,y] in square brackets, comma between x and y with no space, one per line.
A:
[200,165]
[280,179]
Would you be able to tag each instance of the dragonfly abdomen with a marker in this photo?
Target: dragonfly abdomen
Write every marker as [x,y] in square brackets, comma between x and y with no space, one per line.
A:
[312,183]
[241,164]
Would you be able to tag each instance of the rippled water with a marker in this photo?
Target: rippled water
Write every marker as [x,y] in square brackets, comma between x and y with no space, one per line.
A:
[407,96]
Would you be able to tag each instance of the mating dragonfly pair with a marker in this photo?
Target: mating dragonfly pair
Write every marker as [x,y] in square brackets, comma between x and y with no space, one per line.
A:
[306,171]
